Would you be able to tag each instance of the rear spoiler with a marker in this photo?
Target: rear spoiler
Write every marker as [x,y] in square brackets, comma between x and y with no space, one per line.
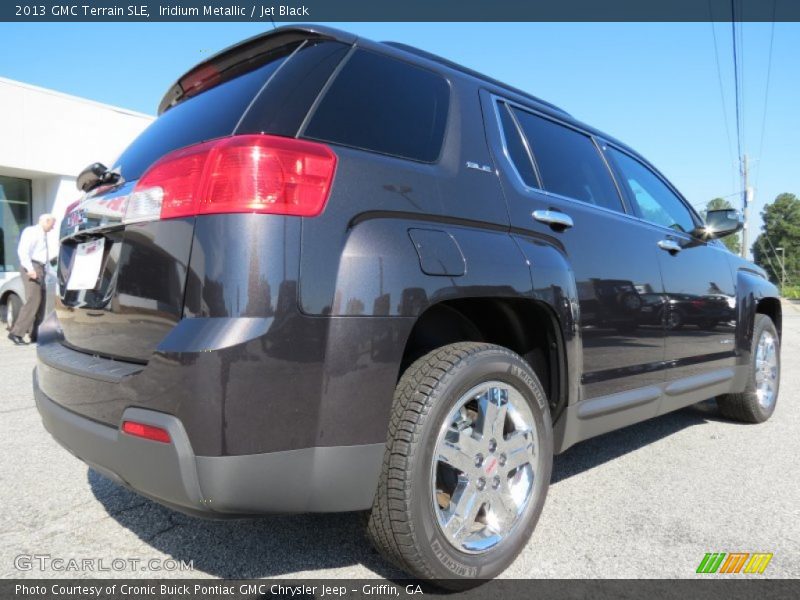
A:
[227,62]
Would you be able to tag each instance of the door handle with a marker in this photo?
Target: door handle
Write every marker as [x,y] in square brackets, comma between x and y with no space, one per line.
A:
[555,218]
[670,246]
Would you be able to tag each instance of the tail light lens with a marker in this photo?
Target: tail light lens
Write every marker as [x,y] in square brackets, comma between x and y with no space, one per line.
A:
[148,432]
[247,173]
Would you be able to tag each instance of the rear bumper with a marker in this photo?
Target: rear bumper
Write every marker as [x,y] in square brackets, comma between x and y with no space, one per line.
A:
[320,479]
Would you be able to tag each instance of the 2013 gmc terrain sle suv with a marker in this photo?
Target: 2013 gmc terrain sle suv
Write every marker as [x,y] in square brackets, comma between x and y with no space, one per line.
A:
[340,275]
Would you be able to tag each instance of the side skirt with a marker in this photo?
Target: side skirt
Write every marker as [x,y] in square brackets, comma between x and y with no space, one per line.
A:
[596,416]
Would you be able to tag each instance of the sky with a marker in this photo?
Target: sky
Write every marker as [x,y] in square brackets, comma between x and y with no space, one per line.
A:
[656,86]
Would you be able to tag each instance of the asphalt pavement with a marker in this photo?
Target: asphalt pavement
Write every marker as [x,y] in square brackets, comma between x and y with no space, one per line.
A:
[645,502]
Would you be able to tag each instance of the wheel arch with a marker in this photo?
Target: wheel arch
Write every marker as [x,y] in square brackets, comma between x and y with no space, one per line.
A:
[772,308]
[528,327]
[754,295]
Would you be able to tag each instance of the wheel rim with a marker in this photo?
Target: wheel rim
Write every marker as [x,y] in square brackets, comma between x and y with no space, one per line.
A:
[482,476]
[766,369]
[673,320]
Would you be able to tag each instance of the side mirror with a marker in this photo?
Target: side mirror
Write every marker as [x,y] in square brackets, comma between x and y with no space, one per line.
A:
[720,223]
[91,176]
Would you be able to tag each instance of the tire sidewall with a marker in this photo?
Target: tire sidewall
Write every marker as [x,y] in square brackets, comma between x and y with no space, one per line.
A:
[448,562]
[762,324]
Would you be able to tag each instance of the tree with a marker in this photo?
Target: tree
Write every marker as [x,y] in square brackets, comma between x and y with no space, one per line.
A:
[781,229]
[731,241]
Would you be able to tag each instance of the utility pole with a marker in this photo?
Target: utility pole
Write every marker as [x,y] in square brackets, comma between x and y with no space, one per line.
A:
[748,197]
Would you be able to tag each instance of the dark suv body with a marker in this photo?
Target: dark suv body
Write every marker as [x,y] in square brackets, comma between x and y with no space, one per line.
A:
[331,263]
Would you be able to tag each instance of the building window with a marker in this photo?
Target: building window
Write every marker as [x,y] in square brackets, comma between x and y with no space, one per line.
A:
[15,215]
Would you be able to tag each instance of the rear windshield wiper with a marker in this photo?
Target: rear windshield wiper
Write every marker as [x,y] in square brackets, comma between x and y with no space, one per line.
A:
[95,175]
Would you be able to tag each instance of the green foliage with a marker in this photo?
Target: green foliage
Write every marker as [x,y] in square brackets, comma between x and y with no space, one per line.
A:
[781,229]
[732,242]
[792,292]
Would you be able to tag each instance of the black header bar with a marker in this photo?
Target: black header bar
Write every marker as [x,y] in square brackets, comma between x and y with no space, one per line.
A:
[294,11]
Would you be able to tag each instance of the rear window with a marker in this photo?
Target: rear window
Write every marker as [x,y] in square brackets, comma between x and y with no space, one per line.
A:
[569,162]
[211,114]
[384,105]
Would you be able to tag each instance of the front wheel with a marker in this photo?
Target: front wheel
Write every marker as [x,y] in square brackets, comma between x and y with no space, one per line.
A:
[467,465]
[674,319]
[757,402]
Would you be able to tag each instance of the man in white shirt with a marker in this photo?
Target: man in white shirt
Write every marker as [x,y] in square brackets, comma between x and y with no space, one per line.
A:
[33,254]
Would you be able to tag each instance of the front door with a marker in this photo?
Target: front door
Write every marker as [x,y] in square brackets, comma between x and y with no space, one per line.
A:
[698,308]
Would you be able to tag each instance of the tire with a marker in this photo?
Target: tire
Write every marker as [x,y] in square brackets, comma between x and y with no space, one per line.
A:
[440,403]
[757,402]
[11,310]
[674,320]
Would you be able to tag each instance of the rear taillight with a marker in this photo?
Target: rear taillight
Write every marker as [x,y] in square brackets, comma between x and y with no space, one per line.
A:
[148,432]
[246,173]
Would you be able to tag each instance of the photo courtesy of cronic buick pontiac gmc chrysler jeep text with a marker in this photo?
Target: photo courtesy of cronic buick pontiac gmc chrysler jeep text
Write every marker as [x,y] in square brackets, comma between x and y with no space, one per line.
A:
[340,275]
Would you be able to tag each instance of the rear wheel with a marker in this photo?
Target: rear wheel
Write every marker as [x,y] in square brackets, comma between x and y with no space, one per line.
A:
[11,310]
[757,403]
[467,465]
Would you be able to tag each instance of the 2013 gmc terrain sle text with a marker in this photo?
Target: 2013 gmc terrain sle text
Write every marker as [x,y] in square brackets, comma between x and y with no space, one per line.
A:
[341,275]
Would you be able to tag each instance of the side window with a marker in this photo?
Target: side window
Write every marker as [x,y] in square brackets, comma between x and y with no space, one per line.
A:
[516,147]
[384,105]
[655,201]
[569,162]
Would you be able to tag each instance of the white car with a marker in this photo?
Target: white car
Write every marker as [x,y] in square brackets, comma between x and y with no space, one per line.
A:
[12,297]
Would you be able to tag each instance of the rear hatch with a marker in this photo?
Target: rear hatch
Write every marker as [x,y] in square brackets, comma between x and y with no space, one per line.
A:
[125,250]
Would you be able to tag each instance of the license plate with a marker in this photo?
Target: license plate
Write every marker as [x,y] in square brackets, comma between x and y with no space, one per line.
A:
[86,265]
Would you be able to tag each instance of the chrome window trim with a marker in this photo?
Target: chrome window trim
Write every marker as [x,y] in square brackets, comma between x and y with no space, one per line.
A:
[537,173]
[496,101]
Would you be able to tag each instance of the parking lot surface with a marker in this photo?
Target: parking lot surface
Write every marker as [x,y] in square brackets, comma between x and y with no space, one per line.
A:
[644,502]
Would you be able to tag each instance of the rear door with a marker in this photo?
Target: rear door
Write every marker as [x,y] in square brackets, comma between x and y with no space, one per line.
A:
[553,174]
[700,299]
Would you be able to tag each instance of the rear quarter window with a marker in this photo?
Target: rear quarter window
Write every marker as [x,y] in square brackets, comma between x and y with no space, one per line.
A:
[384,105]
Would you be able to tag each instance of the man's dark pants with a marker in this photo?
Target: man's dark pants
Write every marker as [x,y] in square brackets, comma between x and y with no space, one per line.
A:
[34,300]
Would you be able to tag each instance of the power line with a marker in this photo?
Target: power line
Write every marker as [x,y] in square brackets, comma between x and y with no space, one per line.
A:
[766,255]
[769,241]
[722,92]
[742,69]
[766,91]
[704,204]
[736,79]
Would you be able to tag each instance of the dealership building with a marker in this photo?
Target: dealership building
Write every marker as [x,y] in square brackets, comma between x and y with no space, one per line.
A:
[46,139]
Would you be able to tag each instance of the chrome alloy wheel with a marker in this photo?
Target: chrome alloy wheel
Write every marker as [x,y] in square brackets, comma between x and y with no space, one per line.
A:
[482,475]
[766,369]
